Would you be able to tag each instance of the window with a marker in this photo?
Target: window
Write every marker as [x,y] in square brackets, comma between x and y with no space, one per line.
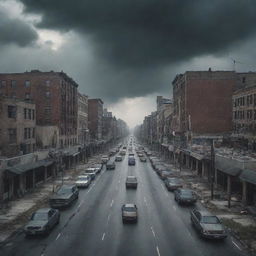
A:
[29,133]
[27,83]
[47,83]
[25,133]
[250,99]
[29,114]
[12,135]
[25,113]
[27,96]
[255,99]
[3,84]
[12,110]
[244,79]
[33,114]
[33,132]
[13,83]
[254,114]
[13,95]
[48,94]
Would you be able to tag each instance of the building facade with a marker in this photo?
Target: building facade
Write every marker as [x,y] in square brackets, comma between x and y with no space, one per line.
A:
[95,114]
[17,127]
[244,109]
[203,102]
[82,126]
[55,97]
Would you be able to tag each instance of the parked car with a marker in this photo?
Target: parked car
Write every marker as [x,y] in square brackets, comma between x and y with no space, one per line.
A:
[164,174]
[83,181]
[111,165]
[42,221]
[119,158]
[91,171]
[173,183]
[64,196]
[143,159]
[129,212]
[185,196]
[208,225]
[104,159]
[97,167]
[131,182]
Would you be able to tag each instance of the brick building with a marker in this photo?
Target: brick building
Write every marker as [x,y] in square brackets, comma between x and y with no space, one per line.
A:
[55,97]
[82,127]
[17,127]
[244,109]
[203,102]
[95,114]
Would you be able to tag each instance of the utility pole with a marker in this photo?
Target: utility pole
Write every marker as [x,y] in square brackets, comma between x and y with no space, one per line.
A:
[212,168]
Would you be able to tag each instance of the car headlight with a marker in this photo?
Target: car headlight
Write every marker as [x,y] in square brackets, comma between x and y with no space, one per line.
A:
[205,231]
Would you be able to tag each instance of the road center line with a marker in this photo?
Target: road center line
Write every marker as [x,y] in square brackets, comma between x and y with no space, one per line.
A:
[174,208]
[112,203]
[153,232]
[158,252]
[58,236]
[236,245]
[103,236]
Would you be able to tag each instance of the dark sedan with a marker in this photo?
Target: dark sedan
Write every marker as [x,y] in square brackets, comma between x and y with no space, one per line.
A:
[64,196]
[173,183]
[185,196]
[42,221]
[208,225]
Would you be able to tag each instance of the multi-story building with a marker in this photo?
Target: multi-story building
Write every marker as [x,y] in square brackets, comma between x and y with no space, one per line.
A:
[95,114]
[82,127]
[244,109]
[17,127]
[203,102]
[55,97]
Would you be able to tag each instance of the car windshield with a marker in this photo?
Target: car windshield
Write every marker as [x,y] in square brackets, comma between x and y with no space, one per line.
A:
[131,179]
[186,193]
[62,191]
[210,220]
[83,179]
[89,171]
[172,180]
[129,209]
[43,216]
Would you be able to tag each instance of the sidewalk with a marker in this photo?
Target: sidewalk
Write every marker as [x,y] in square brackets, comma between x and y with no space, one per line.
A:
[240,224]
[18,211]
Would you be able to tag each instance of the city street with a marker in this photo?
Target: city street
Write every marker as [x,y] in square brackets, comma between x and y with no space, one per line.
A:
[93,224]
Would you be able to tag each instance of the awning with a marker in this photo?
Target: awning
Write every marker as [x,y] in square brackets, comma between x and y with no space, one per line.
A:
[165,145]
[22,168]
[248,176]
[197,156]
[232,171]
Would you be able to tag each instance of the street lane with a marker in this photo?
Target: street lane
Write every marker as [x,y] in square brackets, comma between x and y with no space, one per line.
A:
[93,225]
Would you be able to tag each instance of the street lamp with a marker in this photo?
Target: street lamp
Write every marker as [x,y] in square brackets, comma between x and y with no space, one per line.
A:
[212,168]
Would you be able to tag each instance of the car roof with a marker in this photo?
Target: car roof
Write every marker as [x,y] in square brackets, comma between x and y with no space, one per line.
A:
[129,205]
[43,210]
[205,213]
[131,176]
[67,186]
[83,176]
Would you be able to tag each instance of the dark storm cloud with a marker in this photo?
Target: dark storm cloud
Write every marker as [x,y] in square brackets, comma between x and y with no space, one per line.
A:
[132,33]
[15,31]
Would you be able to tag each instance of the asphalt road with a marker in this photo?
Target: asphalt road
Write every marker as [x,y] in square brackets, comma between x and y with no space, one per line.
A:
[93,225]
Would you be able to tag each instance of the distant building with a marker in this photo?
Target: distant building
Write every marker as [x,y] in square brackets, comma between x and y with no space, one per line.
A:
[244,109]
[203,102]
[95,114]
[82,126]
[17,127]
[55,97]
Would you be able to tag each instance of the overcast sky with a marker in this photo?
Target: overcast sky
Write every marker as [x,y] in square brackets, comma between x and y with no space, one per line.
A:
[127,51]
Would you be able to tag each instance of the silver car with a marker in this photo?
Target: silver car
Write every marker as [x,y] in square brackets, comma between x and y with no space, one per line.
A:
[129,212]
[83,181]
[208,225]
[42,221]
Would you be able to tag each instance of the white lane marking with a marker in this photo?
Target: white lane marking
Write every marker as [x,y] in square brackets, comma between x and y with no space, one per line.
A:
[236,245]
[153,232]
[80,204]
[158,252]
[119,181]
[174,208]
[108,218]
[189,233]
[58,236]
[103,236]
[145,200]
[112,203]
